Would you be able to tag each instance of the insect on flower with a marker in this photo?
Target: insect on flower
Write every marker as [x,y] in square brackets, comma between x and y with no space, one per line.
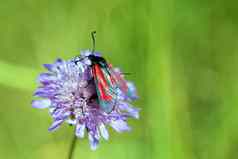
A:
[107,81]
[86,91]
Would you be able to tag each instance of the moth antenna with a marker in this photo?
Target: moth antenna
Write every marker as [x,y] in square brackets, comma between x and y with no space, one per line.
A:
[93,33]
[126,73]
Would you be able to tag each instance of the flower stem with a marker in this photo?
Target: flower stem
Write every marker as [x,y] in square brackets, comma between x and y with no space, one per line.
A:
[72,147]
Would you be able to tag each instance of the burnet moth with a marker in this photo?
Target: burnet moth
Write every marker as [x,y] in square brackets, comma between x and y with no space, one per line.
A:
[108,82]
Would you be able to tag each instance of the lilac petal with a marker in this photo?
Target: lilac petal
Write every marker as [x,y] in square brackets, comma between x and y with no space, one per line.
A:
[44,92]
[93,142]
[120,125]
[132,93]
[40,92]
[86,75]
[86,53]
[87,62]
[97,54]
[57,113]
[104,131]
[49,67]
[58,64]
[55,125]
[54,67]
[134,112]
[97,134]
[59,61]
[41,104]
[63,116]
[80,128]
[46,77]
[117,70]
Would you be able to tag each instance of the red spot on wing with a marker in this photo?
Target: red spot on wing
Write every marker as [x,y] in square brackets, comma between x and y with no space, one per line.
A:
[101,83]
[100,76]
[116,77]
[103,94]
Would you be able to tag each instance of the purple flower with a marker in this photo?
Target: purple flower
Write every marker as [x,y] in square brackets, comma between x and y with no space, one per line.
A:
[69,91]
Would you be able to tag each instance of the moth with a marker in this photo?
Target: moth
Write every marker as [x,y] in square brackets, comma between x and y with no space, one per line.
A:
[108,82]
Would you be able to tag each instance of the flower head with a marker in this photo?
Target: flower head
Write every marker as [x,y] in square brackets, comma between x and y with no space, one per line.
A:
[68,90]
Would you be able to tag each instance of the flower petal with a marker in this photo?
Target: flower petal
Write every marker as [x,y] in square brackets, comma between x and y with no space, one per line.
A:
[97,54]
[80,128]
[57,113]
[86,52]
[120,125]
[63,116]
[46,77]
[49,67]
[87,62]
[55,125]
[41,104]
[93,141]
[44,92]
[133,112]
[55,66]
[132,93]
[104,131]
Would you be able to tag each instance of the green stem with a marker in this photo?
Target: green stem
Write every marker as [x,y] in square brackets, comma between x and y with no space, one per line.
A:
[72,147]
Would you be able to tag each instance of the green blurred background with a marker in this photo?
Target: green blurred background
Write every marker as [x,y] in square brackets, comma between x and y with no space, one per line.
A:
[183,56]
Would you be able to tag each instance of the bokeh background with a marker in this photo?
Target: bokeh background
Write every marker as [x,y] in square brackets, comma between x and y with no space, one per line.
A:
[183,56]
